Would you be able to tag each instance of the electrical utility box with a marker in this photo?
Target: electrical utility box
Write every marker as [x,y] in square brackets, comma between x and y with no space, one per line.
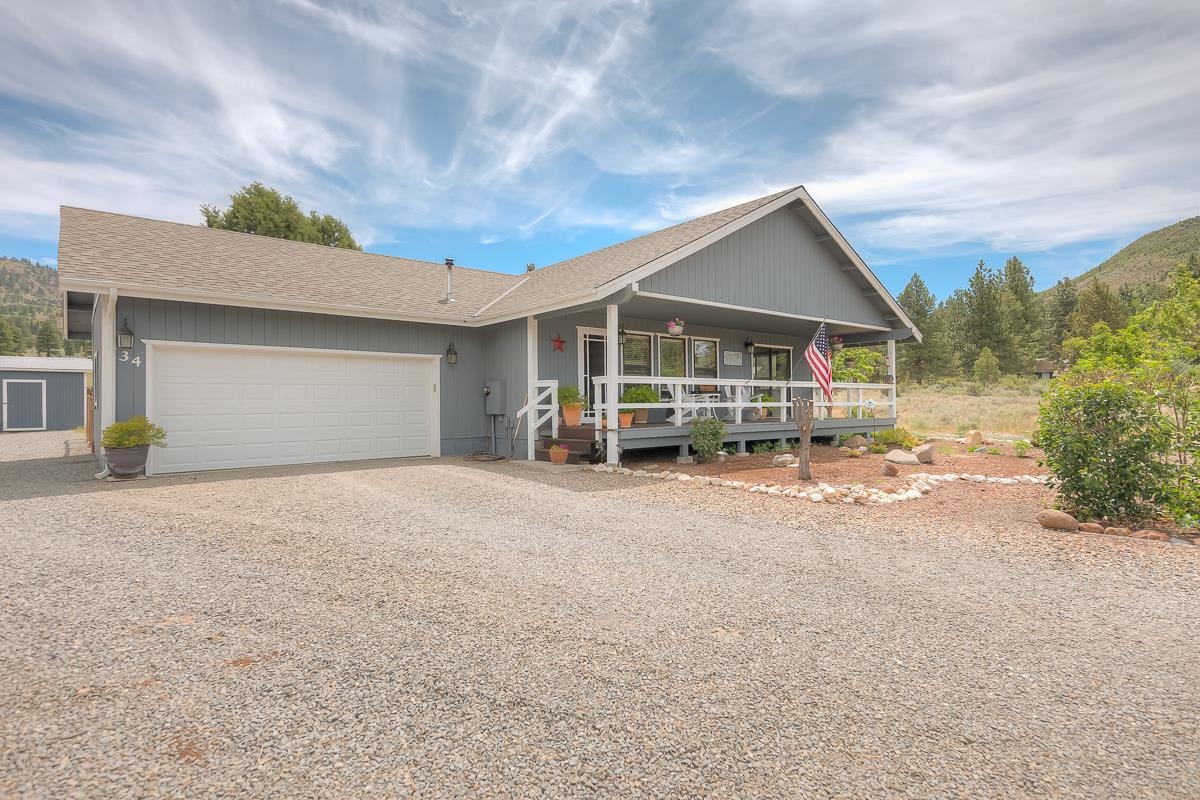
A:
[494,398]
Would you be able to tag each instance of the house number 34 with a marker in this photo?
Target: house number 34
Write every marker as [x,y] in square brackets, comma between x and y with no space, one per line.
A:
[136,360]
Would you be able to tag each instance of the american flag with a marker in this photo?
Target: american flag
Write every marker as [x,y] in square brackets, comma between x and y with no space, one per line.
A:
[817,356]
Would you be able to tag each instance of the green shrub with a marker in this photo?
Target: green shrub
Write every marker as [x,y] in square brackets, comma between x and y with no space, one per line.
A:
[640,393]
[896,437]
[1021,448]
[1106,446]
[133,432]
[878,449]
[994,451]
[708,435]
[571,394]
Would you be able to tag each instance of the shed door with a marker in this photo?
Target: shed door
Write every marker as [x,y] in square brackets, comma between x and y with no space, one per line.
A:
[229,406]
[24,404]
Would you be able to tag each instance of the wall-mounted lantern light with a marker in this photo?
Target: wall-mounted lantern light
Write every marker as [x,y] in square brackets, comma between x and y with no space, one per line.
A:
[451,355]
[621,337]
[749,345]
[125,336]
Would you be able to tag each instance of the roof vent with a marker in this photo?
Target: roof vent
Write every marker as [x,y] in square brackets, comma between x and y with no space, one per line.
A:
[449,281]
[530,267]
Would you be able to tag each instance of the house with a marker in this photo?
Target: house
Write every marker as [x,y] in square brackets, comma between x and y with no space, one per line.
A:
[256,351]
[43,394]
[1045,368]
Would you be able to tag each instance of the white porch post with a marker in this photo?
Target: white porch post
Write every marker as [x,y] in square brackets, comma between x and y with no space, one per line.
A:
[891,366]
[531,369]
[612,391]
[108,360]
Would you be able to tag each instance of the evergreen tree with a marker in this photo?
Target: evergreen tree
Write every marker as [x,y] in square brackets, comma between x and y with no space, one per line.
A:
[1059,305]
[986,368]
[262,210]
[1023,310]
[49,340]
[11,343]
[1097,303]
[928,358]
[986,322]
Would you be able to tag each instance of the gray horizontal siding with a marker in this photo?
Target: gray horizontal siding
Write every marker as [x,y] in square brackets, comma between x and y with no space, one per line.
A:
[64,397]
[564,366]
[775,263]
[464,424]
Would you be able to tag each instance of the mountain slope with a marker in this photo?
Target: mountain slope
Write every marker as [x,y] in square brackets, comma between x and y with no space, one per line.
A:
[28,290]
[1150,258]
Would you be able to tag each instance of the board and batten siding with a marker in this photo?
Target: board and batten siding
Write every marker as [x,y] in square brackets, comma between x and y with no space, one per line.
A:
[65,397]
[463,421]
[775,263]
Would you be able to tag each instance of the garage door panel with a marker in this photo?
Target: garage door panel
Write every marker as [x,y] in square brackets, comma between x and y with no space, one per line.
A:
[237,408]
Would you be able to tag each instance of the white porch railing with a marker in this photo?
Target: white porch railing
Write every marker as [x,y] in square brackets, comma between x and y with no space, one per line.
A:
[743,399]
[540,407]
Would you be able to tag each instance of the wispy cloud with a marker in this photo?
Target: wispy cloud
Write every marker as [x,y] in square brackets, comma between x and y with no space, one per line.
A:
[1019,123]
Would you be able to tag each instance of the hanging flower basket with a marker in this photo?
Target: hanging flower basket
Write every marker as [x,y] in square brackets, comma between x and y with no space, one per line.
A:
[675,327]
[836,343]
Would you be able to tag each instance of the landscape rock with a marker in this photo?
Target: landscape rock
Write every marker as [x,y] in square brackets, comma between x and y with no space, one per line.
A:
[783,460]
[973,438]
[1150,535]
[856,441]
[1057,520]
[902,457]
[889,469]
[1091,527]
[1114,531]
[924,453]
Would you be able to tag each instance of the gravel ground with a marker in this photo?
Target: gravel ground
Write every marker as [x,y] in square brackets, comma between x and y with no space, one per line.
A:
[433,628]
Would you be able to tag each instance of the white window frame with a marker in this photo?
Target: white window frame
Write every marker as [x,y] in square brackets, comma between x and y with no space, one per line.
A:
[582,333]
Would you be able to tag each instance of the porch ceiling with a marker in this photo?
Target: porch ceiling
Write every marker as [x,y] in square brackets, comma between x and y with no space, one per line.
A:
[700,313]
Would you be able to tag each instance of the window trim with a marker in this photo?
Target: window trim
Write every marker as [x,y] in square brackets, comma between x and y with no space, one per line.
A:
[791,359]
[582,332]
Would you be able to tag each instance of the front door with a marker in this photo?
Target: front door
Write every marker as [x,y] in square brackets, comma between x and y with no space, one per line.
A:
[593,364]
[24,404]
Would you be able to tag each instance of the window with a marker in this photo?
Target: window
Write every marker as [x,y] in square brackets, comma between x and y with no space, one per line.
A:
[772,363]
[635,354]
[704,358]
[672,357]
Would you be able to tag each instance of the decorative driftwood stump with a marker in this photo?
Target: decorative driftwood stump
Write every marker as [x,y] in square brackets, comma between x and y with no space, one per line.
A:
[802,412]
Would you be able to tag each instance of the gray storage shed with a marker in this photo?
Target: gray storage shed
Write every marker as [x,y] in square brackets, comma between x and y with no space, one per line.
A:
[43,394]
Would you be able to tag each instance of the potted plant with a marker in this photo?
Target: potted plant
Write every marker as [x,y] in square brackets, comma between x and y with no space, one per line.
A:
[767,397]
[572,403]
[675,327]
[640,393]
[558,454]
[127,445]
[625,417]
[836,343]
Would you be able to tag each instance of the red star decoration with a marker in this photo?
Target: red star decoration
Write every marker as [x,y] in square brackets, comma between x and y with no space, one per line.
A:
[558,342]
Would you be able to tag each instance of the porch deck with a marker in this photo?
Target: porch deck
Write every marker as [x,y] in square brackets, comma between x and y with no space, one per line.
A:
[664,434]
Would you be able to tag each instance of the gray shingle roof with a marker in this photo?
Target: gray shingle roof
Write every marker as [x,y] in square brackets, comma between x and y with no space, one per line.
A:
[134,252]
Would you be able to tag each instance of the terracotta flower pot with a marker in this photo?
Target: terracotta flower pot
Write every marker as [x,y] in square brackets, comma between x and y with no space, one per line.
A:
[625,419]
[641,416]
[558,455]
[572,413]
[127,462]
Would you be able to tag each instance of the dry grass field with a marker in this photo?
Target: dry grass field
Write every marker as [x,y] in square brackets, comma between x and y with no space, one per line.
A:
[1009,410]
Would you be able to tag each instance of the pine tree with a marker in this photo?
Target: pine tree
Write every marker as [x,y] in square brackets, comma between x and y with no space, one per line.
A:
[1059,304]
[1023,311]
[920,361]
[10,339]
[986,322]
[1097,303]
[262,210]
[986,368]
[49,340]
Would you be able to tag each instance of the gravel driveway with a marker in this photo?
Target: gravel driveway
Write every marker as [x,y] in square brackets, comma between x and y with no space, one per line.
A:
[433,628]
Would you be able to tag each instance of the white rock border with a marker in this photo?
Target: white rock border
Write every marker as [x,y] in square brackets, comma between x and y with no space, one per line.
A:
[919,485]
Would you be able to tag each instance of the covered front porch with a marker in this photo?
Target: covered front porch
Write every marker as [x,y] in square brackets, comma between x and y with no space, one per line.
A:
[742,366]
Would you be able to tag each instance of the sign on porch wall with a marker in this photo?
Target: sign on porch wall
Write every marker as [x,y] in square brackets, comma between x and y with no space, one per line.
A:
[732,358]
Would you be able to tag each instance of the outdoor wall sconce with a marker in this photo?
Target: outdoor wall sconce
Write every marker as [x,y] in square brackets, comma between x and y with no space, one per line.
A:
[749,345]
[451,355]
[125,337]
[621,335]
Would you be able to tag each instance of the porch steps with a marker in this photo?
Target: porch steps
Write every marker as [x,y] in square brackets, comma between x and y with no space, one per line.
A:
[580,441]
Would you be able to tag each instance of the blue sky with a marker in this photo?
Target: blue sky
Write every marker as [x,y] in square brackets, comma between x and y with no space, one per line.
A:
[933,133]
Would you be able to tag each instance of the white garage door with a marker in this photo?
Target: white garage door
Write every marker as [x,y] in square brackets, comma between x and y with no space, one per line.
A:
[229,406]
